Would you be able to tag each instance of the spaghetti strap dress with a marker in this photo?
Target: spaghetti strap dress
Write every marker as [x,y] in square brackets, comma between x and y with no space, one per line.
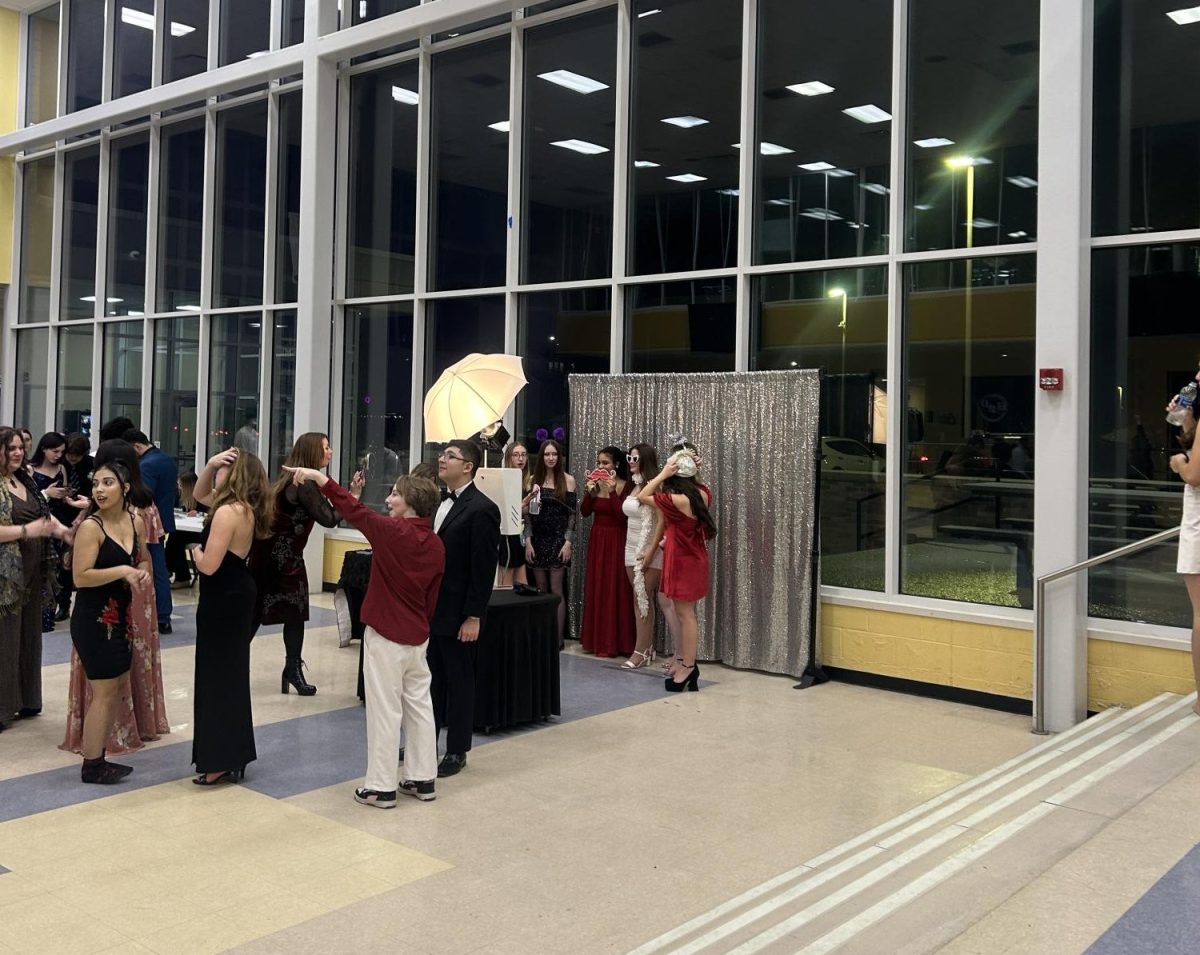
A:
[685,554]
[100,620]
[223,719]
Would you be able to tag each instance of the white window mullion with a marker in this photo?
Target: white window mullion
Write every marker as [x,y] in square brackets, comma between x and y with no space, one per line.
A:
[56,238]
[747,157]
[22,75]
[421,263]
[621,183]
[208,214]
[516,224]
[108,44]
[158,44]
[102,214]
[153,197]
[64,40]
[202,391]
[271,203]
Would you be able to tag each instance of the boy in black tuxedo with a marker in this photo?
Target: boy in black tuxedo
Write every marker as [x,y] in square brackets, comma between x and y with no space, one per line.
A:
[468,523]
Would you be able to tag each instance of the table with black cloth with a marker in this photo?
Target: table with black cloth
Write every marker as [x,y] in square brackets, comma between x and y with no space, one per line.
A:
[516,656]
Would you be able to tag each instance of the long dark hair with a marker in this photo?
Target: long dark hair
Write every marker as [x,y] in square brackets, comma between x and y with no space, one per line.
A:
[690,488]
[619,460]
[647,461]
[49,441]
[307,452]
[560,472]
[123,452]
[121,471]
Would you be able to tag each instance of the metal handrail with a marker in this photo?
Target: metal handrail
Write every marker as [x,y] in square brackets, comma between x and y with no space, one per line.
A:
[1039,614]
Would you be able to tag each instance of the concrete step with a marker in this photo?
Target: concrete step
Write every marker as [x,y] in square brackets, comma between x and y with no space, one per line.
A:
[916,881]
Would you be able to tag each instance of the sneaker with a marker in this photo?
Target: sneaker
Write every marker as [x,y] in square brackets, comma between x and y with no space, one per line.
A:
[371,797]
[422,790]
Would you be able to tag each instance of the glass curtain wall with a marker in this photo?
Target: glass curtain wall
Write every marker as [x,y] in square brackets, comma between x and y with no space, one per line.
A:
[681,326]
[85,54]
[37,224]
[234,358]
[176,380]
[239,231]
[41,73]
[129,183]
[73,404]
[33,349]
[133,47]
[185,44]
[283,390]
[181,216]
[81,196]
[121,386]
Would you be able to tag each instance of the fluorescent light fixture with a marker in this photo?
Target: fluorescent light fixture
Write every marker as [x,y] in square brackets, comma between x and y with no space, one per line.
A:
[817,166]
[645,164]
[795,363]
[858,225]
[255,325]
[1023,181]
[686,122]
[729,192]
[984,223]
[1185,16]
[573,81]
[824,215]
[649,13]
[133,312]
[402,95]
[769,149]
[811,88]
[780,202]
[868,114]
[688,177]
[136,18]
[256,54]
[1019,234]
[500,127]
[962,162]
[114,301]
[923,206]
[189,308]
[840,173]
[877,188]
[179,29]
[933,142]
[87,298]
[836,293]
[581,146]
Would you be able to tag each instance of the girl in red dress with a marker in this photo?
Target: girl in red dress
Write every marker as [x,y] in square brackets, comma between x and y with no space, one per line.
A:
[683,505]
[608,626]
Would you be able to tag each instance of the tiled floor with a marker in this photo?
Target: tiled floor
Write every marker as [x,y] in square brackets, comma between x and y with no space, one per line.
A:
[595,833]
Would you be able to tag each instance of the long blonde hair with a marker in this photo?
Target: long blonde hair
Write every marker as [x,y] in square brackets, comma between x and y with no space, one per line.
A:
[246,483]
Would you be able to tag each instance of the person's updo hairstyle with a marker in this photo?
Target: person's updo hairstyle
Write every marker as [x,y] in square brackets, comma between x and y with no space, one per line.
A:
[689,486]
[122,451]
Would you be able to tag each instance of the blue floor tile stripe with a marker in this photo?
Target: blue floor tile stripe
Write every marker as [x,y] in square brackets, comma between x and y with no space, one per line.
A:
[311,752]
[1164,921]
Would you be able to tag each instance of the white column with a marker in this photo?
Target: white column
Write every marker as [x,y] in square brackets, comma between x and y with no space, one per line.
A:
[1063,327]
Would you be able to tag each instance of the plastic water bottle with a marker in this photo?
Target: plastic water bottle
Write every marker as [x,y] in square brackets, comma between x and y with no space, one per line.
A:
[1184,400]
[535,502]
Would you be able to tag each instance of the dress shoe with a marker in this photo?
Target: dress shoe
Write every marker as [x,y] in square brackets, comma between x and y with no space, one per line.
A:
[691,684]
[26,712]
[293,675]
[164,626]
[64,613]
[452,764]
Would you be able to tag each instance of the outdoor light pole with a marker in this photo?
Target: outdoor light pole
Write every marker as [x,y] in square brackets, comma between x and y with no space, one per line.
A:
[841,293]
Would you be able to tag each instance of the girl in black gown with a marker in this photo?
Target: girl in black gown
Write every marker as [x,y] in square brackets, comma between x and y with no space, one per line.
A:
[234,485]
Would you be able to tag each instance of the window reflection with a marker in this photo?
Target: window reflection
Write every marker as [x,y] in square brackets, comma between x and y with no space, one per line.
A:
[359,11]
[972,133]
[85,54]
[969,449]
[233,372]
[570,76]
[287,237]
[81,188]
[133,46]
[837,321]
[181,208]
[128,189]
[686,105]
[73,408]
[176,376]
[823,176]
[121,388]
[283,389]
[241,206]
[470,165]
[185,44]
[41,72]
[1142,354]
[37,221]
[33,349]
[681,326]
[377,397]
[293,22]
[383,181]
[245,30]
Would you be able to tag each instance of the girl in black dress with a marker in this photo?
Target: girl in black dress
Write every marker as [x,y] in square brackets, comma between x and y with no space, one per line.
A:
[549,509]
[234,485]
[107,561]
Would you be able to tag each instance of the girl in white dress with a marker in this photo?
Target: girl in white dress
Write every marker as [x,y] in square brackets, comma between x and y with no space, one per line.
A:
[1187,465]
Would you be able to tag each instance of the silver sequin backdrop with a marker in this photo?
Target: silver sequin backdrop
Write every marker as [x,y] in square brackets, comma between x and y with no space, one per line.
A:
[757,435]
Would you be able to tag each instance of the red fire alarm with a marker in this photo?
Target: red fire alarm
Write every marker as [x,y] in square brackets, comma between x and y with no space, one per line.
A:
[1050,379]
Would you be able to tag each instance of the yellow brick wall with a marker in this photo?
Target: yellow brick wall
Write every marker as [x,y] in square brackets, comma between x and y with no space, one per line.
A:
[991,659]
[335,552]
[10,22]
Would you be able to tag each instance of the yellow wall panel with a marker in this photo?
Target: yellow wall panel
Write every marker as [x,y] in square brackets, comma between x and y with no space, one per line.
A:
[335,553]
[10,22]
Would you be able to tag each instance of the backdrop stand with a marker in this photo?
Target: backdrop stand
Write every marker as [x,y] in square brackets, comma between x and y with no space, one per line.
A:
[813,674]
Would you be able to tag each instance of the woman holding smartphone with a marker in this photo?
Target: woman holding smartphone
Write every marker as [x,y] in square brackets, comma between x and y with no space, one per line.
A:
[550,516]
[608,627]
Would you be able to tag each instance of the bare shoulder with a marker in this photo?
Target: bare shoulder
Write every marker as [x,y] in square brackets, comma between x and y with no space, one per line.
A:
[88,532]
[570,482]
[232,514]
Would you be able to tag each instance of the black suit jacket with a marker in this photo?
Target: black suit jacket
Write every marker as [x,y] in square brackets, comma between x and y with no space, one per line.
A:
[471,536]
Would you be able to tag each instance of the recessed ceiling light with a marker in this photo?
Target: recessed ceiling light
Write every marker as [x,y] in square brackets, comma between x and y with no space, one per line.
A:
[500,127]
[87,298]
[648,13]
[811,88]
[858,225]
[688,177]
[984,223]
[868,114]
[402,95]
[878,188]
[923,206]
[1023,181]
[189,308]
[1019,234]
[573,81]
[256,54]
[817,166]
[825,215]
[795,363]
[780,202]
[581,146]
[840,173]
[933,142]
[685,122]
[255,325]
[645,164]
[179,29]
[137,18]
[769,149]
[728,192]
[1185,16]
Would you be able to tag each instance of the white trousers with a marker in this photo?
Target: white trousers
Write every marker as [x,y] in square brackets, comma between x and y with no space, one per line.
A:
[397,682]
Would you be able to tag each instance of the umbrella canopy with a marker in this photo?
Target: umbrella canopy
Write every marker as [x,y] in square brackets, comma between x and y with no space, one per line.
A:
[471,394]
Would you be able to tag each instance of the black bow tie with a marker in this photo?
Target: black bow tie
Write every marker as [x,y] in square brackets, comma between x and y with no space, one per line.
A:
[448,495]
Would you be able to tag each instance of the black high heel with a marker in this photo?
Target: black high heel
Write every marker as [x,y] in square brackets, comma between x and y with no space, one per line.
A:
[293,675]
[229,776]
[691,684]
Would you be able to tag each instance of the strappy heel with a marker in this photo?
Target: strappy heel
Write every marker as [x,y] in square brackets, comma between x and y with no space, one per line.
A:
[691,684]
[642,660]
[229,776]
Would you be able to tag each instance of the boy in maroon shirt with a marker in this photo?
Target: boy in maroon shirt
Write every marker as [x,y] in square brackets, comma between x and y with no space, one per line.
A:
[408,560]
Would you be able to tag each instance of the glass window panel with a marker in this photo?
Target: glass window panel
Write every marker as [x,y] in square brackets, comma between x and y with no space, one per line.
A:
[837,321]
[972,131]
[85,53]
[811,68]
[129,182]
[185,45]
[687,68]
[383,181]
[470,188]
[73,409]
[176,376]
[245,30]
[968,473]
[363,10]
[33,347]
[121,386]
[559,334]
[283,389]
[568,159]
[287,231]
[548,5]
[681,326]
[41,74]
[181,211]
[293,22]
[233,374]
[238,235]
[1146,119]
[1142,354]
[37,220]
[81,193]
[473,27]
[133,47]
[377,397]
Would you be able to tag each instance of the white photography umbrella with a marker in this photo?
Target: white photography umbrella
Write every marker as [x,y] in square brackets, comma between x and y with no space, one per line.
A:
[472,394]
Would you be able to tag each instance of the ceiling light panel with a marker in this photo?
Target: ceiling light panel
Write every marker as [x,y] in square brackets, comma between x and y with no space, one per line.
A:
[402,95]
[1185,16]
[576,82]
[500,127]
[817,166]
[685,122]
[1023,182]
[868,113]
[581,146]
[811,88]
[688,177]
[645,164]
[933,142]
